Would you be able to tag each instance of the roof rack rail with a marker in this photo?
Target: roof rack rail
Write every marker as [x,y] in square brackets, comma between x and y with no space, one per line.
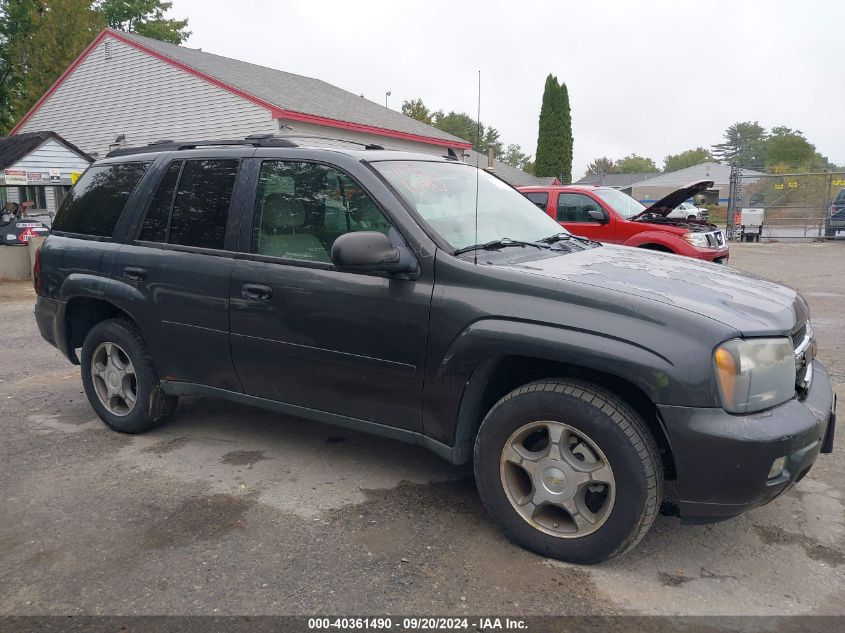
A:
[253,140]
[317,137]
[168,145]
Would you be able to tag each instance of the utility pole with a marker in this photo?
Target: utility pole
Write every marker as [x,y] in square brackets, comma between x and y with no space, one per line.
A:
[386,95]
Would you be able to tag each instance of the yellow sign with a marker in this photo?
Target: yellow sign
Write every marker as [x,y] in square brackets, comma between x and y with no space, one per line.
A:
[779,186]
[793,184]
[839,183]
[74,176]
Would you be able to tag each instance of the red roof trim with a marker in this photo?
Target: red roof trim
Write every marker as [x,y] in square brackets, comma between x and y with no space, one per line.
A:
[60,80]
[368,129]
[275,111]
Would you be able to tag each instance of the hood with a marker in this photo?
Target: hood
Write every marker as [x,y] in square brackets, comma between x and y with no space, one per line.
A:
[746,303]
[665,205]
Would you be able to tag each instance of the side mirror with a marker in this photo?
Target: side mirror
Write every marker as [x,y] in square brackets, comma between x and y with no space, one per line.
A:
[367,251]
[598,215]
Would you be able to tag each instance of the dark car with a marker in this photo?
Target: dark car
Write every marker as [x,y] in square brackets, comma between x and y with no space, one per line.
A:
[421,299]
[835,220]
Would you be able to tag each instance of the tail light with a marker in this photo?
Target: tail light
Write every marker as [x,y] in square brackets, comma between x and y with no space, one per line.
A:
[36,272]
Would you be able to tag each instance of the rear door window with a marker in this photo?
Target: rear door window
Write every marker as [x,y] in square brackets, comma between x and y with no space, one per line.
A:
[95,203]
[190,206]
[540,198]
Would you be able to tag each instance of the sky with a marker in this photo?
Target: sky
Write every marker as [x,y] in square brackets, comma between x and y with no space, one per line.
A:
[652,78]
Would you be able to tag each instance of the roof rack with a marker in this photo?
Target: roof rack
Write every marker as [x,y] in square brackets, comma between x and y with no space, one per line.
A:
[317,137]
[254,140]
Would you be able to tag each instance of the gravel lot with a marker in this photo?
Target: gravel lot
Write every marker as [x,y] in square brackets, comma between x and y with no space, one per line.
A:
[232,510]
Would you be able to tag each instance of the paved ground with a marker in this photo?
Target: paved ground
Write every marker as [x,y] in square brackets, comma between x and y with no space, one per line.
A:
[231,510]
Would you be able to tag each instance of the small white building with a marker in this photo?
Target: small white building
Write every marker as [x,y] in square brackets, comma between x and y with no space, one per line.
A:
[37,168]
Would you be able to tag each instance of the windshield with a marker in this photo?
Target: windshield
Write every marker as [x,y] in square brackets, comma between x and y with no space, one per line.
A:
[444,195]
[622,203]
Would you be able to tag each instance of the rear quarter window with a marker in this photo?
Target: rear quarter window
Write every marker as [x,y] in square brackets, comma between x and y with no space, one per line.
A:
[96,201]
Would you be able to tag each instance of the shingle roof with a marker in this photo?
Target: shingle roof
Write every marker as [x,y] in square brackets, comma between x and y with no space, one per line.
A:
[511,175]
[14,148]
[292,92]
[615,180]
[719,173]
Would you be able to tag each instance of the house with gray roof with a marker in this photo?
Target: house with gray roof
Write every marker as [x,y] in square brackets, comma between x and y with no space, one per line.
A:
[512,175]
[652,189]
[617,181]
[129,90]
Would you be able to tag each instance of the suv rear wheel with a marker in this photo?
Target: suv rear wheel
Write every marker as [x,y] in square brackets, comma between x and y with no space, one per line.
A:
[568,470]
[119,378]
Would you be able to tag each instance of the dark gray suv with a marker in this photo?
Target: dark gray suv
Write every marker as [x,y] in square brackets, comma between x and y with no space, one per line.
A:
[419,298]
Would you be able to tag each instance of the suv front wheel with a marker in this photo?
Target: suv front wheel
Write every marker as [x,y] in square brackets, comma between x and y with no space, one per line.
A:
[568,470]
[119,378]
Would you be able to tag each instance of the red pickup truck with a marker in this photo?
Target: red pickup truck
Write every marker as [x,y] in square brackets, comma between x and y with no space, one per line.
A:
[605,214]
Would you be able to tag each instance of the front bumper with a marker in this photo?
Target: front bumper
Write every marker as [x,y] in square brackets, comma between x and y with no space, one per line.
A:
[723,461]
[717,256]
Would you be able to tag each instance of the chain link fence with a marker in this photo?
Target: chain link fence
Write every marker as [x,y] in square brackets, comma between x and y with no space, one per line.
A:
[772,207]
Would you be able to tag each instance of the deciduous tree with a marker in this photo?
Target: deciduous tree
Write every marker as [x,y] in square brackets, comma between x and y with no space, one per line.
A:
[145,17]
[689,158]
[515,157]
[60,30]
[634,164]
[416,109]
[602,165]
[15,30]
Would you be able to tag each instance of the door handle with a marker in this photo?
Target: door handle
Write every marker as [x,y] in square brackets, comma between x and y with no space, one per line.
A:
[134,274]
[256,292]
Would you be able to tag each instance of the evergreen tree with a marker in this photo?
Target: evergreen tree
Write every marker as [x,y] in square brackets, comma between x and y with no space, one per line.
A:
[554,139]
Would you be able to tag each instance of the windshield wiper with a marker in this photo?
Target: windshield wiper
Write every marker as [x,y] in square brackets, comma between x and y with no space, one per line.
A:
[561,237]
[557,237]
[496,244]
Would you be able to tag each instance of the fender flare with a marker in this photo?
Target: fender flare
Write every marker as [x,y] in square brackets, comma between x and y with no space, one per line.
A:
[476,353]
[669,240]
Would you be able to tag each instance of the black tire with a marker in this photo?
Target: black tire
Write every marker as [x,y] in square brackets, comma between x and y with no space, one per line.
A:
[829,231]
[619,433]
[152,407]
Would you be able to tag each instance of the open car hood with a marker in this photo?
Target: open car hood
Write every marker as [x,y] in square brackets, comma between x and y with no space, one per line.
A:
[665,205]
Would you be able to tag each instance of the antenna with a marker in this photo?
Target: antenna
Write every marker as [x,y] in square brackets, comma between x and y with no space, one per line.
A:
[477,156]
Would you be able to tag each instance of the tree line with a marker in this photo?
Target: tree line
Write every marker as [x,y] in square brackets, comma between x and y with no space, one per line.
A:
[747,144]
[39,39]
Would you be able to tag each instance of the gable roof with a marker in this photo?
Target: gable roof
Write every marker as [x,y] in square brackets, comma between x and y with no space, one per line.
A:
[286,95]
[719,173]
[14,148]
[618,181]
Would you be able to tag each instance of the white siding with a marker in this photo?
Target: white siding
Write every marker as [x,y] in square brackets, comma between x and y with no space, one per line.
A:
[360,137]
[145,99]
[52,155]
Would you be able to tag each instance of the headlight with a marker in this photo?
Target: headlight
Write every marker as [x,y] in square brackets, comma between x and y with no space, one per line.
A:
[696,239]
[754,374]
